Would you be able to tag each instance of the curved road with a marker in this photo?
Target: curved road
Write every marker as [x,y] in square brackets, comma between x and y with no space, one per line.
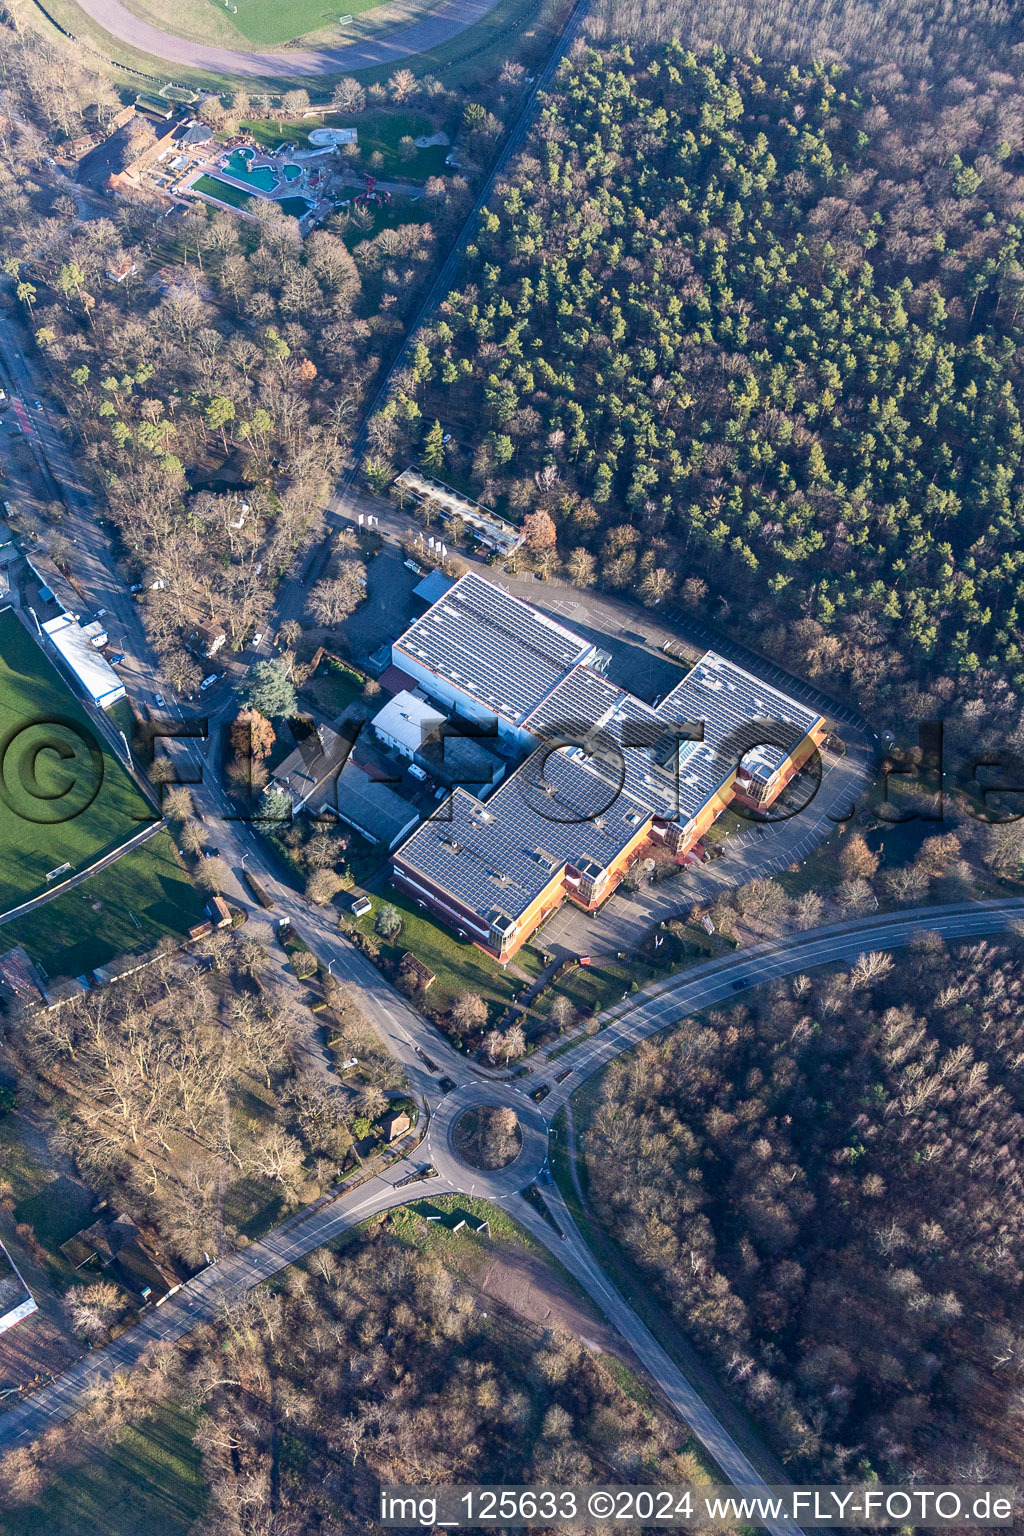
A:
[660,1006]
[444,23]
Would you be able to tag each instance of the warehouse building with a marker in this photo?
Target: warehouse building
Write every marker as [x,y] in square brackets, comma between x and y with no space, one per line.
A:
[609,776]
[79,654]
[488,656]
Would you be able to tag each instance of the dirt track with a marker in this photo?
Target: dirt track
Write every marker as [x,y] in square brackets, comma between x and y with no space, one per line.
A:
[417,37]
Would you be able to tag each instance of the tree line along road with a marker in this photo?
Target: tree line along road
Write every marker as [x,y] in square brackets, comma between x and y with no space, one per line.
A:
[204,1298]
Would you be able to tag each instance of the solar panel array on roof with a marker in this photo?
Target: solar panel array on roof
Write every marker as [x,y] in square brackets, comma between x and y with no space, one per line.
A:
[611,764]
[743,719]
[492,646]
[552,813]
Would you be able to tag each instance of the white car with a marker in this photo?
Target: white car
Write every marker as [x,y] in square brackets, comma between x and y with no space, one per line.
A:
[208,682]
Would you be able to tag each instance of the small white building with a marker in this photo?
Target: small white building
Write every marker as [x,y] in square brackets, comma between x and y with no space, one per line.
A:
[405,722]
[79,655]
[15,1298]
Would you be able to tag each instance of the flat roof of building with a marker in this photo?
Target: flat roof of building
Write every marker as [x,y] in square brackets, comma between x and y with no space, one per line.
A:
[433,586]
[371,807]
[744,721]
[499,855]
[95,674]
[408,720]
[15,1295]
[493,646]
[611,764]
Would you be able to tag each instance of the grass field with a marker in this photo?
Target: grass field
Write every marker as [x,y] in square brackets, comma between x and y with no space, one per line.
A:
[129,906]
[378,132]
[514,29]
[223,191]
[458,967]
[255,23]
[333,686]
[64,797]
[148,1483]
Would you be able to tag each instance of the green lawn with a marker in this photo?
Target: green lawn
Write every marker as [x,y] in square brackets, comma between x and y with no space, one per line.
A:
[248,23]
[334,686]
[64,797]
[266,23]
[406,1220]
[457,966]
[212,186]
[145,895]
[593,988]
[149,1483]
[379,131]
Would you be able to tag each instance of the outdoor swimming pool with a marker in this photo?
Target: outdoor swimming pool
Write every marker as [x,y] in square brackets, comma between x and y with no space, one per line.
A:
[263,178]
[291,172]
[295,207]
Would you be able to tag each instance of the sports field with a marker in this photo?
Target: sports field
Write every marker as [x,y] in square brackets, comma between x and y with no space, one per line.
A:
[64,797]
[255,23]
[126,908]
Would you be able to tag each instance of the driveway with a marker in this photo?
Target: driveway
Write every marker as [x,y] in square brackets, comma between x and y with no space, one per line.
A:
[300,63]
[755,852]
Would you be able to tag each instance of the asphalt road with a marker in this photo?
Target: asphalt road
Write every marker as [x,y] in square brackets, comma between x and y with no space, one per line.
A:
[425,1058]
[414,1043]
[667,1003]
[572,1251]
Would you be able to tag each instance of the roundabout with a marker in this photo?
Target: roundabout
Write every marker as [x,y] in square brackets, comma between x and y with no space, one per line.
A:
[451,1146]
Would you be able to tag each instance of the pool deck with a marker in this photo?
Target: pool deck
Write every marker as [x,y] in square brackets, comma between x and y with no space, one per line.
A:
[286,188]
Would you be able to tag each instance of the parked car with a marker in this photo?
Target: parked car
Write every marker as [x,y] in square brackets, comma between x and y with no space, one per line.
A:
[208,682]
[417,772]
[135,587]
[158,700]
[116,660]
[211,853]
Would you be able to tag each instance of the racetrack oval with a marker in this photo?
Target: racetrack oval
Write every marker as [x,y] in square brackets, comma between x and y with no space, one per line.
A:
[414,37]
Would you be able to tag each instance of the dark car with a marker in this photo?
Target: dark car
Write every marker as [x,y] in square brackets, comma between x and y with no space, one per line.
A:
[738,986]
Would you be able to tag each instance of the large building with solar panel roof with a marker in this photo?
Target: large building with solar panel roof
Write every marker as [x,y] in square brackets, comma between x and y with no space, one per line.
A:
[608,777]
